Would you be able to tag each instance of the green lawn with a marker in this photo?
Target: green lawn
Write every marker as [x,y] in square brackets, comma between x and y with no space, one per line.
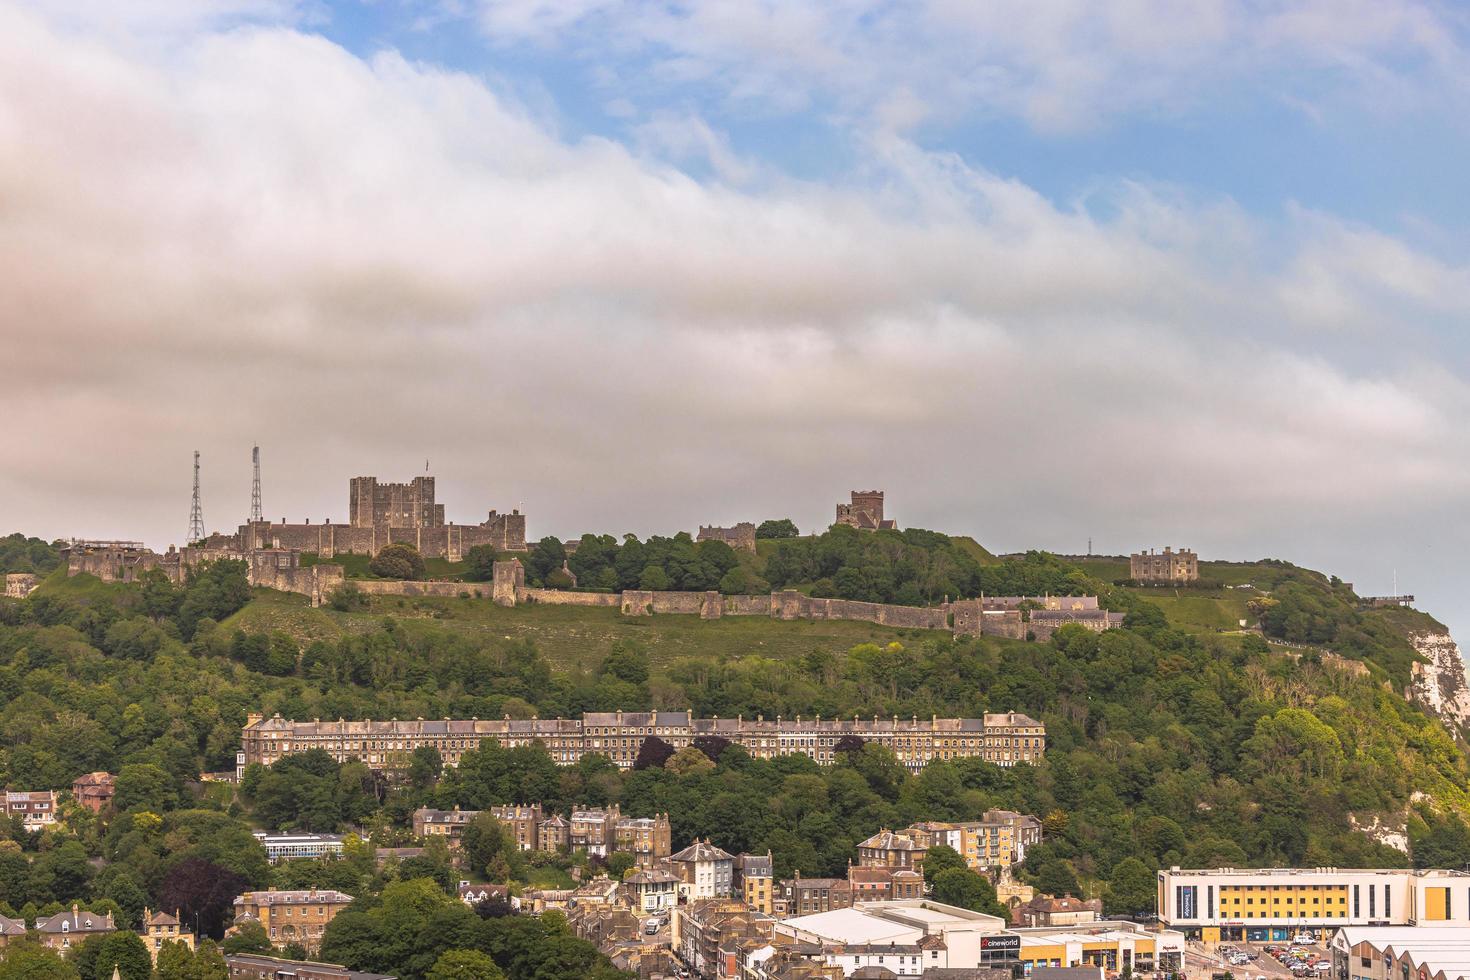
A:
[1199,613]
[566,635]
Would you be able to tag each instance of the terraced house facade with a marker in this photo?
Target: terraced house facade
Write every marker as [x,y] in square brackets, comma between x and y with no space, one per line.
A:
[1002,738]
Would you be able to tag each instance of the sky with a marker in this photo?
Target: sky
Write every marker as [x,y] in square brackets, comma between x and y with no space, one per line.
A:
[1142,273]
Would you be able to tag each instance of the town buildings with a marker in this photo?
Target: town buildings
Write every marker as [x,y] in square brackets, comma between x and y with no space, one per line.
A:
[709,933]
[753,881]
[807,896]
[704,871]
[885,849]
[652,890]
[11,929]
[1277,903]
[910,938]
[1396,952]
[1003,738]
[94,791]
[253,966]
[1166,566]
[64,930]
[1045,911]
[999,839]
[160,928]
[291,916]
[36,809]
[284,847]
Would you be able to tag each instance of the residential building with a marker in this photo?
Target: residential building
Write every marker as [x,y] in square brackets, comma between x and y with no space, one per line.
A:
[882,884]
[521,822]
[999,839]
[1005,738]
[706,934]
[291,916]
[648,839]
[253,966]
[1045,910]
[472,894]
[160,928]
[554,836]
[285,847]
[651,890]
[67,929]
[93,791]
[1276,903]
[886,849]
[11,929]
[595,831]
[1395,952]
[428,822]
[36,809]
[753,881]
[1166,566]
[705,871]
[806,896]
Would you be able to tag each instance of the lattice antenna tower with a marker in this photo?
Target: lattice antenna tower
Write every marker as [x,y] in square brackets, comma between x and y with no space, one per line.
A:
[196,514]
[255,513]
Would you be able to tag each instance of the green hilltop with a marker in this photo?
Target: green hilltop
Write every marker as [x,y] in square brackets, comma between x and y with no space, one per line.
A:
[1181,738]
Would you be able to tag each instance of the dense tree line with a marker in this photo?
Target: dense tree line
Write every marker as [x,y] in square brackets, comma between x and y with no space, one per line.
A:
[19,553]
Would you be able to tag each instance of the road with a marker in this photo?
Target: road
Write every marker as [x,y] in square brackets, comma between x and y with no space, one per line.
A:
[1201,960]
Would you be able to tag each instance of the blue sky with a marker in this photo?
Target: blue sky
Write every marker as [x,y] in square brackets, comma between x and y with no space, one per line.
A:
[1151,273]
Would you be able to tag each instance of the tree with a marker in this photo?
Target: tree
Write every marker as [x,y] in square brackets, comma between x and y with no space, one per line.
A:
[619,863]
[202,891]
[412,924]
[143,786]
[480,563]
[214,590]
[27,959]
[464,964]
[653,753]
[424,767]
[848,744]
[781,528]
[1056,877]
[483,840]
[248,938]
[125,951]
[940,858]
[398,560]
[175,962]
[688,761]
[347,597]
[966,889]
[653,579]
[713,746]
[1131,889]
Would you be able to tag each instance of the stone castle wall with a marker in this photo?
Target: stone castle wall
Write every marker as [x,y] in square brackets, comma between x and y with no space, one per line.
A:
[557,597]
[503,532]
[448,590]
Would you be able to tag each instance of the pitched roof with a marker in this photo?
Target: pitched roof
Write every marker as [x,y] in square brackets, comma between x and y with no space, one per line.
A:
[75,920]
[887,840]
[702,850]
[162,919]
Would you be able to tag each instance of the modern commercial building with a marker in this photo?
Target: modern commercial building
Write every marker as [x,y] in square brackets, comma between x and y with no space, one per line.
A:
[1003,738]
[909,938]
[1396,952]
[285,847]
[1277,903]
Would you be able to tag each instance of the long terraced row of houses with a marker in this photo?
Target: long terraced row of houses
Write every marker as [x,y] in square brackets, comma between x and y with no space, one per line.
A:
[1005,739]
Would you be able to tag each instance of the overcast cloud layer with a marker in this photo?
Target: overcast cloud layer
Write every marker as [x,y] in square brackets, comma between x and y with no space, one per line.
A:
[219,226]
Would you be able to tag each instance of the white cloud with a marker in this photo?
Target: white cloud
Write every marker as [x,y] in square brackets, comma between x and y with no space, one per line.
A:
[363,263]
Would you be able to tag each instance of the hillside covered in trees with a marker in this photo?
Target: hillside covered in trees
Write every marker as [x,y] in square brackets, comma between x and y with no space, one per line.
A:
[1169,742]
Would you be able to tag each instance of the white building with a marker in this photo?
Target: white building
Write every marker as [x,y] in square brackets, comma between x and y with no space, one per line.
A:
[284,847]
[704,870]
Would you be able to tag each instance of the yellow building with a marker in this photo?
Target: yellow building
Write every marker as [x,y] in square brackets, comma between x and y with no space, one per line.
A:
[160,928]
[291,916]
[1279,903]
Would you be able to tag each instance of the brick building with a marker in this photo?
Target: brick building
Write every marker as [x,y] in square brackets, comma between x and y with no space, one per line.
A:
[999,839]
[36,809]
[93,791]
[887,849]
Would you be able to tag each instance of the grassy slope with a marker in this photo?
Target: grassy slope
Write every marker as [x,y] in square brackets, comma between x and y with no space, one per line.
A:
[567,636]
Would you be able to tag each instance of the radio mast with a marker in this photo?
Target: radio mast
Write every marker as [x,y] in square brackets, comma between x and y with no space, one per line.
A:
[196,515]
[255,514]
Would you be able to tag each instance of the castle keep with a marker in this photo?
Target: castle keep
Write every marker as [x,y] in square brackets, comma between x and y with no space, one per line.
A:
[865,512]
[741,537]
[1003,738]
